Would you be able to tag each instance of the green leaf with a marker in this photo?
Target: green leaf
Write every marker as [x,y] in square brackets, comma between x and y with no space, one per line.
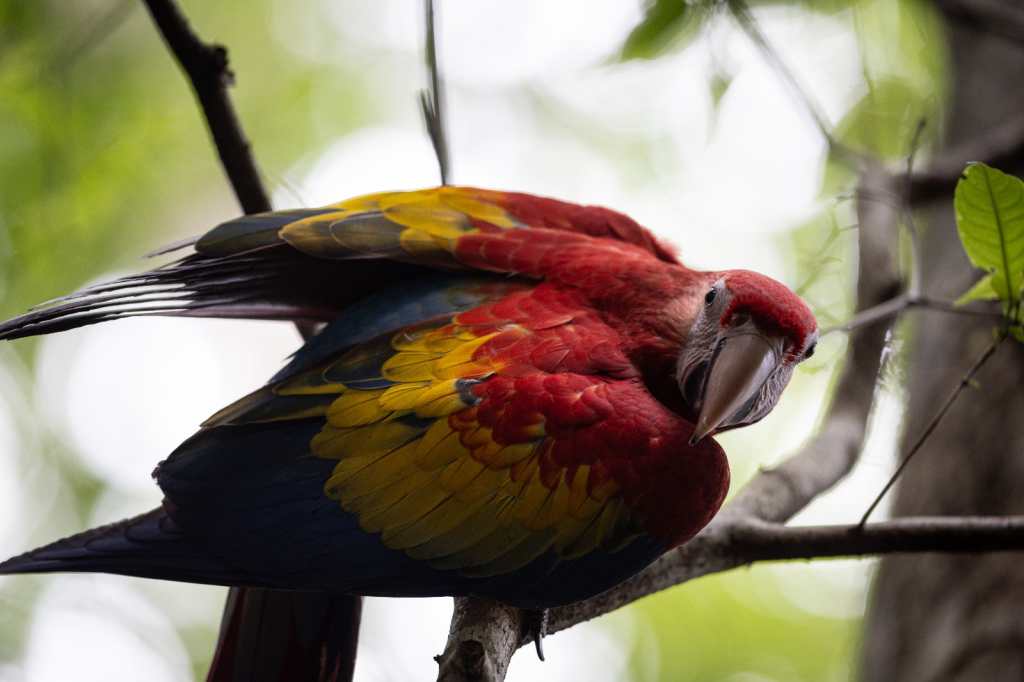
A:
[981,291]
[990,219]
[667,24]
[884,120]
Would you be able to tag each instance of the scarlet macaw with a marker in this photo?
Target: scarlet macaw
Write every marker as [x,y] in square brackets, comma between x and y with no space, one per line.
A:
[512,398]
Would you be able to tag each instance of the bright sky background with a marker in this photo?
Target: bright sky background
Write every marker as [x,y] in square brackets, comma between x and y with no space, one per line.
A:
[534,106]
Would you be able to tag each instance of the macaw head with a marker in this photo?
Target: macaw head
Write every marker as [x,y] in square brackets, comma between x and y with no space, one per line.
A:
[749,333]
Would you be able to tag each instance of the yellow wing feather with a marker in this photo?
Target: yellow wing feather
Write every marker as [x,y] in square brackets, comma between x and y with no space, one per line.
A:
[418,226]
[412,461]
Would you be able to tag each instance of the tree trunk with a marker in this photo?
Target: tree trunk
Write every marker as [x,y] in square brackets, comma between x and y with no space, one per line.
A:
[945,617]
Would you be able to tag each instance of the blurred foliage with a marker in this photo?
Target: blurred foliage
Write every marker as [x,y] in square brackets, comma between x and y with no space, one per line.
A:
[903,59]
[733,624]
[103,152]
[880,121]
[666,24]
[67,135]
[671,24]
[822,275]
[101,147]
[989,208]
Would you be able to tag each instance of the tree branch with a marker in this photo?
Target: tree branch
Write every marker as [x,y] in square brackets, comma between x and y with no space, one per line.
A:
[958,534]
[492,632]
[206,67]
[496,628]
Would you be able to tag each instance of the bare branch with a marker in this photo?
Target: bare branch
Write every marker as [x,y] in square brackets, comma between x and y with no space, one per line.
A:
[957,534]
[727,546]
[432,99]
[207,69]
[965,381]
[904,302]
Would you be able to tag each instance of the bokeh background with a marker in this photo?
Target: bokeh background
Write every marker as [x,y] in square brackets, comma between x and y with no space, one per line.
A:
[104,156]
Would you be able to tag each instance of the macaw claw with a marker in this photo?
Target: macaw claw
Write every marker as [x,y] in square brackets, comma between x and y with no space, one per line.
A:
[535,624]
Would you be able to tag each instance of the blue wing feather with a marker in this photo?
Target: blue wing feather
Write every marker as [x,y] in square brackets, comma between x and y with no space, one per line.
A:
[393,309]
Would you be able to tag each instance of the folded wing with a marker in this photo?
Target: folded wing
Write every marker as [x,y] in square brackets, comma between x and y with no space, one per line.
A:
[310,264]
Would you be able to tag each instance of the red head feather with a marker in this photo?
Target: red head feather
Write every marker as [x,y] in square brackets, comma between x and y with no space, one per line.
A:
[772,305]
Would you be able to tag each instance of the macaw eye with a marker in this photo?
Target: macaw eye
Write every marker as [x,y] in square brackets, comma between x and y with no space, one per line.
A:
[709,297]
[810,350]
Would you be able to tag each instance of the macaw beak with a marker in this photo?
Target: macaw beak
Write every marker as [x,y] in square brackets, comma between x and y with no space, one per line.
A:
[744,358]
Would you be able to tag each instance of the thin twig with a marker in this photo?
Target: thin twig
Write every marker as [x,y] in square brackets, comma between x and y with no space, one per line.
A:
[882,311]
[432,98]
[903,302]
[965,381]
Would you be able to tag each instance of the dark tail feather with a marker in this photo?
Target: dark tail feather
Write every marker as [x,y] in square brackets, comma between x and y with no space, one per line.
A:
[147,546]
[275,283]
[267,636]
[278,636]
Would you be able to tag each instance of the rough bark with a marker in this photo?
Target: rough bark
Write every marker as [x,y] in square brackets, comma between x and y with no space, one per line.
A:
[943,617]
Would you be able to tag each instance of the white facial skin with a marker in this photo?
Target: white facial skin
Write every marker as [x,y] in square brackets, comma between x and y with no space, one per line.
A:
[733,375]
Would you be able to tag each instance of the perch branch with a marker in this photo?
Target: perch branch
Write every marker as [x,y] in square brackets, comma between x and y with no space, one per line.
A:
[496,628]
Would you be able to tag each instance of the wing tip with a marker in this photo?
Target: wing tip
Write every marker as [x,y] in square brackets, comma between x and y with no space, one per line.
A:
[146,546]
